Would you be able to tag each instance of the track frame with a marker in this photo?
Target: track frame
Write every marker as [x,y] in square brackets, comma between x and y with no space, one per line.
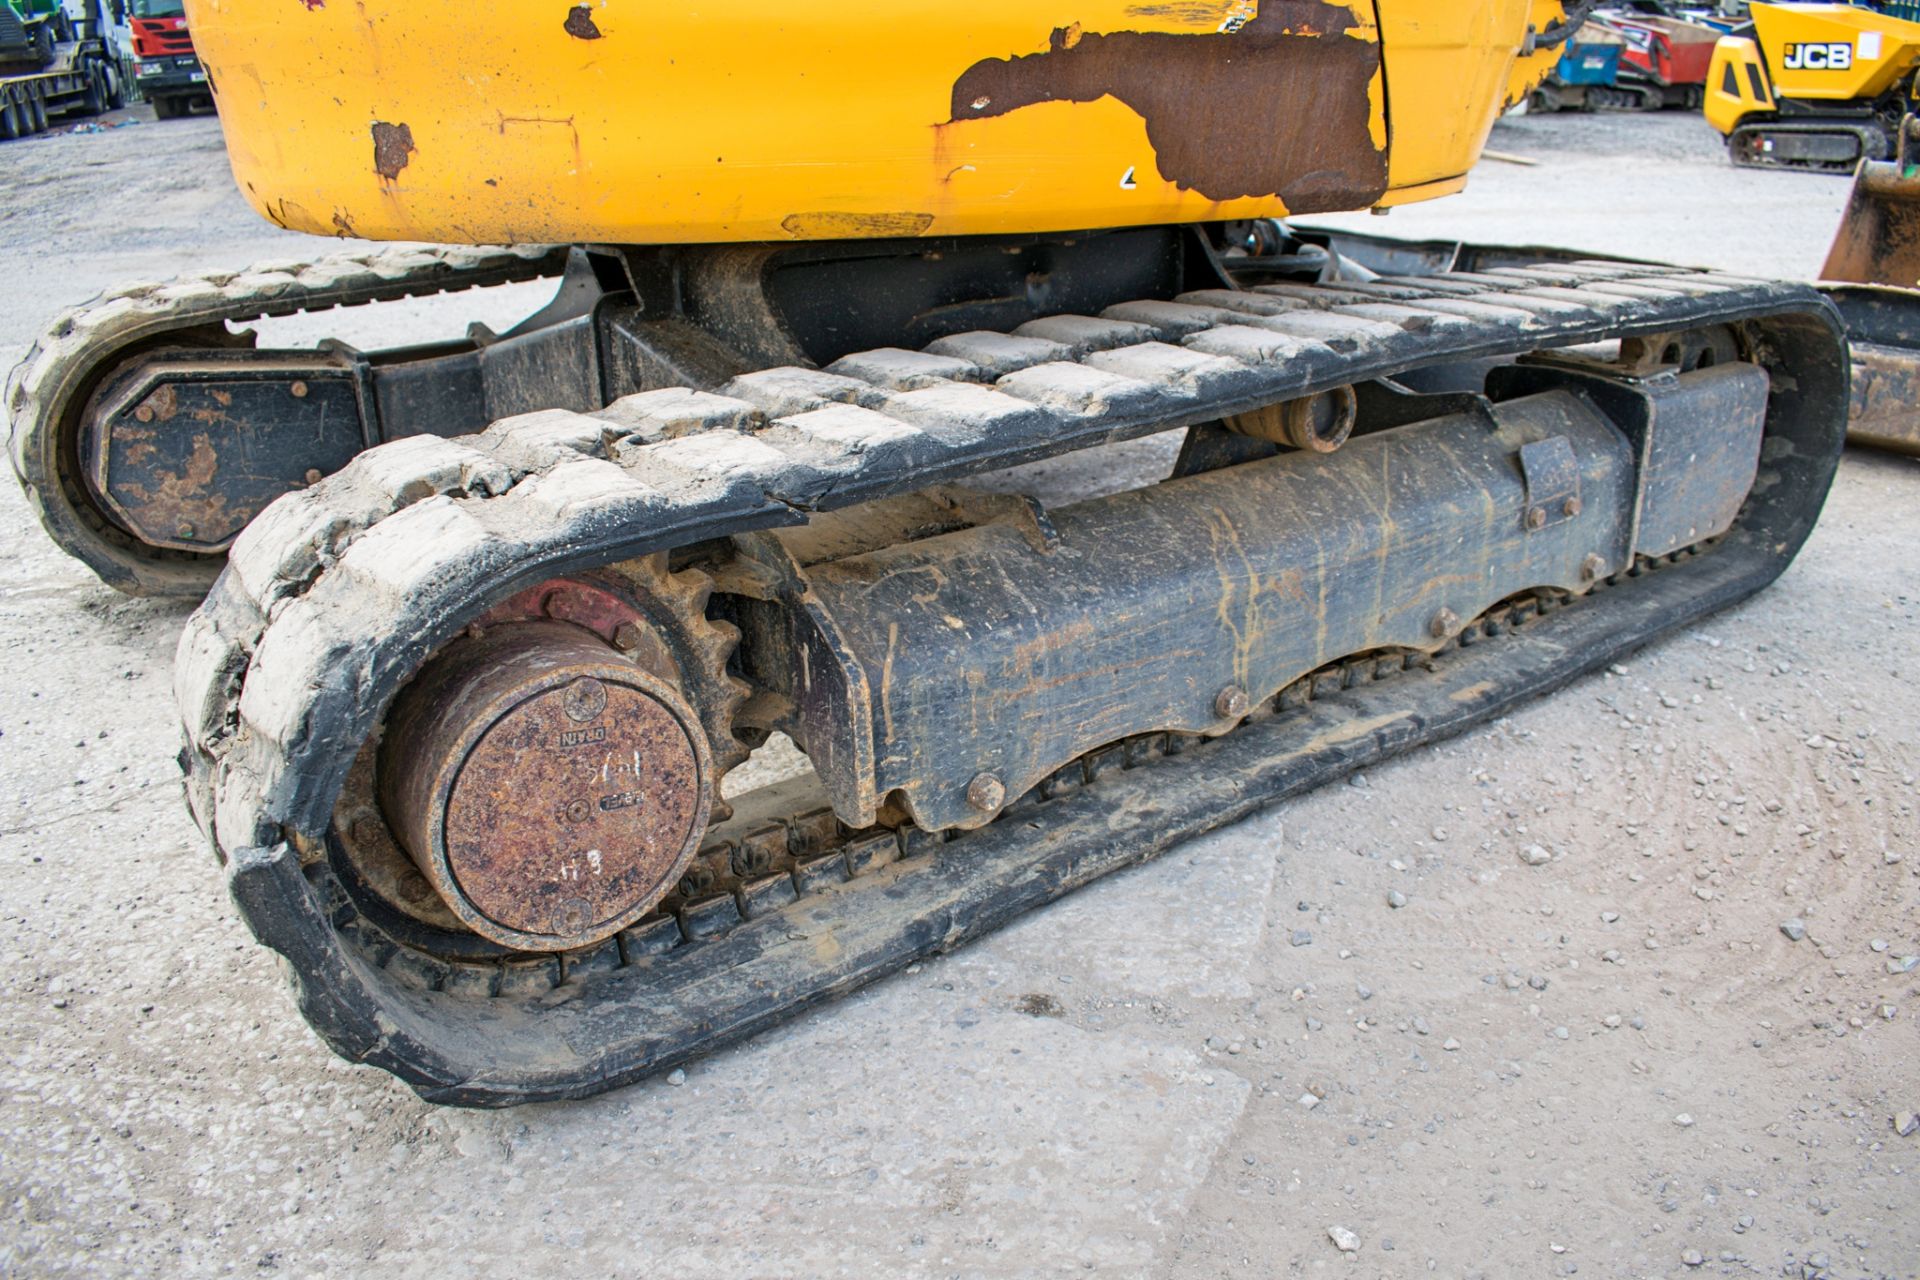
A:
[340,592]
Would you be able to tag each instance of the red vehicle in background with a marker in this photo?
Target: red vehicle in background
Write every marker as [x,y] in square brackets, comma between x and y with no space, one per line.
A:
[165,68]
[1665,61]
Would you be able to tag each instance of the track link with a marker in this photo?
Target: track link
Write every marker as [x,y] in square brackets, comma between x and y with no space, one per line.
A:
[48,389]
[1750,145]
[339,592]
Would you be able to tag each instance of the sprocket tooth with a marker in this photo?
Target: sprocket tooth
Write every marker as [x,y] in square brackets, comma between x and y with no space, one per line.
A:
[716,641]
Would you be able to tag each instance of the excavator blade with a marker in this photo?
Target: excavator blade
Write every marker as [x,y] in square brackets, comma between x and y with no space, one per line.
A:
[1879,237]
[1874,267]
[1883,337]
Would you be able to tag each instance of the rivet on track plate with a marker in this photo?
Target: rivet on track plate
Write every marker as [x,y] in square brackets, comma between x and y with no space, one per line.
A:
[986,793]
[1592,567]
[1571,506]
[1231,703]
[314,476]
[1536,518]
[299,390]
[185,530]
[1443,624]
[143,413]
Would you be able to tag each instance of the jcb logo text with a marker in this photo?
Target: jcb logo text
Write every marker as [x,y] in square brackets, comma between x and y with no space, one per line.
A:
[1836,56]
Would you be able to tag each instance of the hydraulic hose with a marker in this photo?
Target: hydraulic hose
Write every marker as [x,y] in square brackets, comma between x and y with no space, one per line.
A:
[1558,33]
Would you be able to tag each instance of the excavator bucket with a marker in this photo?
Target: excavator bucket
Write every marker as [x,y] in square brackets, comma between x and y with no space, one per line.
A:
[1877,249]
[1879,237]
[1883,338]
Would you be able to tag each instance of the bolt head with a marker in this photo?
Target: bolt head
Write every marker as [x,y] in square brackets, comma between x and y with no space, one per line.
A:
[299,390]
[584,699]
[627,636]
[1592,567]
[314,476]
[143,413]
[1536,517]
[571,916]
[185,531]
[1443,624]
[986,793]
[1231,703]
[1571,506]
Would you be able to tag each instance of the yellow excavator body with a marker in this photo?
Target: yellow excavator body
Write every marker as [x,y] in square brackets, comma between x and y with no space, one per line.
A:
[617,122]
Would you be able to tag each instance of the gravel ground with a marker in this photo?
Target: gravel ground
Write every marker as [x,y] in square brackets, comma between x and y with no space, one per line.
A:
[1620,985]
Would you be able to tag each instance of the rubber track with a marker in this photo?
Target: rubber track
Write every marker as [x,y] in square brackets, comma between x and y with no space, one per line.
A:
[1845,168]
[338,592]
[45,389]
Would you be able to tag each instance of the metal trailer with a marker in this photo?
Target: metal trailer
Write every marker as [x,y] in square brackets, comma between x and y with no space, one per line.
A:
[1665,60]
[83,74]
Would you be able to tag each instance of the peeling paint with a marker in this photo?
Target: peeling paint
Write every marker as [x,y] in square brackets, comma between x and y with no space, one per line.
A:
[1278,104]
[579,23]
[392,148]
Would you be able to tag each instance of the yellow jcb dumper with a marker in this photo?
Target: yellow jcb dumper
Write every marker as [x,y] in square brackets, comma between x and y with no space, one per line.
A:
[1813,86]
[498,616]
[1831,87]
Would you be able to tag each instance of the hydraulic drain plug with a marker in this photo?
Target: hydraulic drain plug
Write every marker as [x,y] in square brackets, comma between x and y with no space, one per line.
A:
[549,789]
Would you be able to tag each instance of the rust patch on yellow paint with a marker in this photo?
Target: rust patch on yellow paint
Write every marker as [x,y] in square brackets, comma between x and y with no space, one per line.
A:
[579,23]
[392,148]
[829,225]
[1278,104]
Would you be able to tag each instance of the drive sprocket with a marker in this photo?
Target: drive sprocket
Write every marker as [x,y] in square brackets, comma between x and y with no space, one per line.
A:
[639,609]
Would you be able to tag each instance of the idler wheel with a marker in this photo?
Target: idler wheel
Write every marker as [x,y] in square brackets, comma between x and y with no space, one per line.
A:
[549,789]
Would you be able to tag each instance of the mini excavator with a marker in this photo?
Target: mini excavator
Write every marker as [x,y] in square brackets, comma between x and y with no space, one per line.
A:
[487,623]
